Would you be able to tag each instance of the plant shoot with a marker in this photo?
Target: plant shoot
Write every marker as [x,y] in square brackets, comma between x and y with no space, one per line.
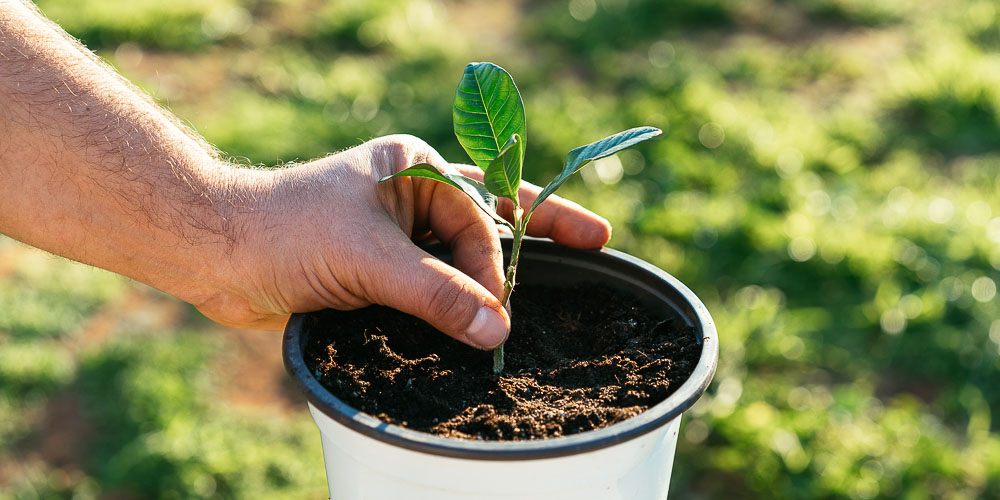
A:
[489,122]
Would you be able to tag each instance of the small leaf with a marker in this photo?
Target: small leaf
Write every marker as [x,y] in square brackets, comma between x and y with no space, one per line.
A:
[471,187]
[487,112]
[503,176]
[577,158]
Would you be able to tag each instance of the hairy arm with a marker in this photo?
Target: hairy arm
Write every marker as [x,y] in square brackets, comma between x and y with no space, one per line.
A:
[93,170]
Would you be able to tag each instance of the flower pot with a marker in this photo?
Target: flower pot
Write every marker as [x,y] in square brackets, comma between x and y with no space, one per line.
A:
[368,458]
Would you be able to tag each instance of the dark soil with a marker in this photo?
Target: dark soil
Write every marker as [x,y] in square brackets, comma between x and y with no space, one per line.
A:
[577,359]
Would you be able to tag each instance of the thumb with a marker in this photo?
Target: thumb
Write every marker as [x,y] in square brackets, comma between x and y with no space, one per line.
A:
[421,285]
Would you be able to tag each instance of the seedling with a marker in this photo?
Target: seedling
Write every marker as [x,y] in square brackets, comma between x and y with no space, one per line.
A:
[489,121]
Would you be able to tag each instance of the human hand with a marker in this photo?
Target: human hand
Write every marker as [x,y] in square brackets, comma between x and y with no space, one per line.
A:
[327,234]
[122,186]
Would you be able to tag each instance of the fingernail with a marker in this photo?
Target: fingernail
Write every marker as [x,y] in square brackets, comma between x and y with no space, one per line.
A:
[488,329]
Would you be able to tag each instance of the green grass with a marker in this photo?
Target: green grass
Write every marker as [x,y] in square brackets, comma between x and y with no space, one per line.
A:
[48,296]
[153,430]
[826,183]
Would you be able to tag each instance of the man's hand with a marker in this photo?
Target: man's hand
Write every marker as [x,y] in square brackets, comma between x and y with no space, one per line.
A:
[93,171]
[326,234]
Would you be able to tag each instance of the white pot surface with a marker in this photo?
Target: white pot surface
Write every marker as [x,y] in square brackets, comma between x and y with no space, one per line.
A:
[360,467]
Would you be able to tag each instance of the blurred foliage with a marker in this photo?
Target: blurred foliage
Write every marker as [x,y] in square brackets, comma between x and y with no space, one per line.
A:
[45,295]
[827,184]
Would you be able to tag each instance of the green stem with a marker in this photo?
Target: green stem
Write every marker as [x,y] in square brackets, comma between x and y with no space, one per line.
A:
[498,359]
[515,250]
[520,224]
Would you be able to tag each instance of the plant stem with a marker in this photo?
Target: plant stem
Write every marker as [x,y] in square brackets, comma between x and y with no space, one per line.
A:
[498,360]
[508,284]
[520,225]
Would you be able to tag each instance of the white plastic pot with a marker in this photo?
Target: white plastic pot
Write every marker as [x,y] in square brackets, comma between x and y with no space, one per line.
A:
[370,459]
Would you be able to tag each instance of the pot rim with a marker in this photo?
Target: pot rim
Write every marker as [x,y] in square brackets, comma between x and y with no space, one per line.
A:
[656,416]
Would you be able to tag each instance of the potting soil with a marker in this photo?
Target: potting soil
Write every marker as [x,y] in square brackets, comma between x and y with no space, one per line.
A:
[577,359]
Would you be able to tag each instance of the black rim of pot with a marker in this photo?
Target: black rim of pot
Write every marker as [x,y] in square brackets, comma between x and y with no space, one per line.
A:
[624,267]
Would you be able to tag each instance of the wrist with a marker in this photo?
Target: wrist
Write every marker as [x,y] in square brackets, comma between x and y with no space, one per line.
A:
[221,235]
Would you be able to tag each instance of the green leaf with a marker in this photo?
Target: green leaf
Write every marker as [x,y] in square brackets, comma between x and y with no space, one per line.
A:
[503,175]
[487,112]
[471,187]
[577,158]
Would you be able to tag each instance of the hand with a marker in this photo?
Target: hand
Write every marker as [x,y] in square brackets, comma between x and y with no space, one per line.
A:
[123,187]
[327,234]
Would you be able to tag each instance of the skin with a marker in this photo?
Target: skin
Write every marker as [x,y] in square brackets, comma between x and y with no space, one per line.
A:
[92,170]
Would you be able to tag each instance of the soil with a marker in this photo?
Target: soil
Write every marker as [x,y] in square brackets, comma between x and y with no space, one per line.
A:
[577,359]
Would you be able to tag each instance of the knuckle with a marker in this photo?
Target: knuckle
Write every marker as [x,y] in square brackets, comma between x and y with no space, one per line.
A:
[478,239]
[401,151]
[402,144]
[449,306]
[407,140]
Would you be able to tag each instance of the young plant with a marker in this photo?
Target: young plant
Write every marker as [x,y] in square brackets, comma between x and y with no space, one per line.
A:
[489,121]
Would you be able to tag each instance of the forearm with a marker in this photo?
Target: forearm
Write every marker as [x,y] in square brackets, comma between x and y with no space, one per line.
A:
[92,170]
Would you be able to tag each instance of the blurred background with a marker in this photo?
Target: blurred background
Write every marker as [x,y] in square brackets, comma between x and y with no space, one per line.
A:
[827,183]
